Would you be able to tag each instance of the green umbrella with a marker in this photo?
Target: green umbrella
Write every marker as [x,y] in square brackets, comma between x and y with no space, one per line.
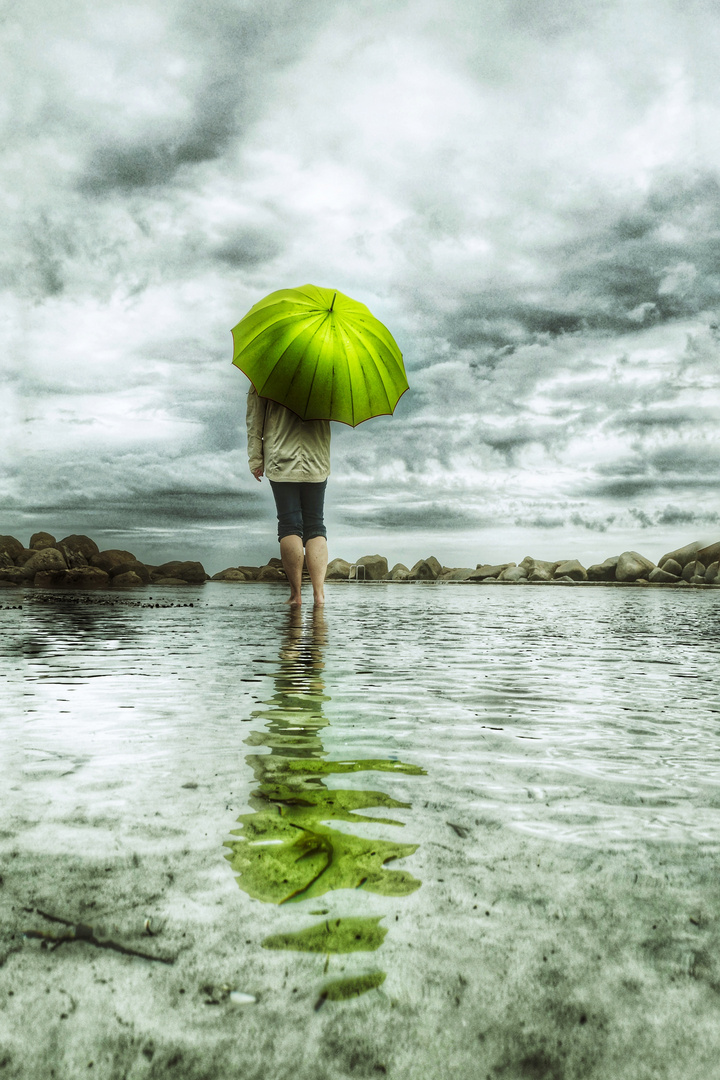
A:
[321,354]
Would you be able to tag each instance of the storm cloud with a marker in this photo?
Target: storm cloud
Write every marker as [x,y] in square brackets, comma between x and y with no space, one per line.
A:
[527,195]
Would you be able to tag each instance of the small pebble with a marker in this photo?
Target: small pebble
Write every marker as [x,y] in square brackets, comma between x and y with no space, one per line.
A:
[237,997]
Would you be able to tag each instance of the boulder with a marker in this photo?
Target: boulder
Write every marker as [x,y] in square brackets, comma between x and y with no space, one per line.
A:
[692,570]
[131,567]
[12,575]
[399,572]
[632,567]
[250,572]
[22,557]
[514,573]
[271,573]
[47,559]
[672,567]
[712,574]
[78,545]
[11,546]
[710,554]
[112,557]
[85,577]
[231,574]
[540,573]
[48,579]
[459,574]
[662,577]
[682,555]
[604,571]
[338,570]
[272,562]
[571,569]
[6,563]
[376,567]
[126,580]
[485,571]
[40,540]
[191,572]
[425,570]
[169,581]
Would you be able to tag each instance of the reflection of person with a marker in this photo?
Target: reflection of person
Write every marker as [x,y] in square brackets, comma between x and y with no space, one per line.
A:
[294,454]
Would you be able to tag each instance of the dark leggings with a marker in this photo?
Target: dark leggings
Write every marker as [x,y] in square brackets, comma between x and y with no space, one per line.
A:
[299,508]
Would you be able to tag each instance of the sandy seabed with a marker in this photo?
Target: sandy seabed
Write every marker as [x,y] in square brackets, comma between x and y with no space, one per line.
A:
[518,959]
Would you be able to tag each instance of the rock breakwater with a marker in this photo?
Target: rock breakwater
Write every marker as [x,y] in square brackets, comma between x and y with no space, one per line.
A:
[76,562]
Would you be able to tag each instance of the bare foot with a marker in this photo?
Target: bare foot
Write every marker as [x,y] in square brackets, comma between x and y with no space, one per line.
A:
[294,600]
[319,599]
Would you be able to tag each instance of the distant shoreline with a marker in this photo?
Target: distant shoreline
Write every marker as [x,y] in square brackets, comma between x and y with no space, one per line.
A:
[76,562]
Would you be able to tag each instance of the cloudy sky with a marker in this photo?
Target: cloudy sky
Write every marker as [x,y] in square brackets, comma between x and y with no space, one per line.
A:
[527,192]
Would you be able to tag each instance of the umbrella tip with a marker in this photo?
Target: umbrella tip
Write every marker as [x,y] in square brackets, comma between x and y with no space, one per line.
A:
[333,301]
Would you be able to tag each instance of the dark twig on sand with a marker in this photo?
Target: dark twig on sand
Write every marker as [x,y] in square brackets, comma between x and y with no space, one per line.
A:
[82,932]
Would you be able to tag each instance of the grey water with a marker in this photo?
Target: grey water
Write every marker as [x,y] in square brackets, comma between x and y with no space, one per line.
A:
[585,717]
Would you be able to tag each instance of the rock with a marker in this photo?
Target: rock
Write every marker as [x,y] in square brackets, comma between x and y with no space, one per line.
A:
[273,562]
[540,573]
[40,540]
[169,581]
[604,571]
[710,554]
[78,545]
[481,573]
[10,546]
[338,570]
[692,570]
[6,563]
[682,555]
[47,559]
[662,577]
[191,572]
[231,574]
[376,567]
[632,567]
[571,569]
[12,575]
[459,574]
[425,570]
[271,573]
[514,573]
[672,567]
[126,579]
[22,557]
[132,567]
[85,577]
[399,572]
[250,572]
[712,573]
[106,560]
[48,579]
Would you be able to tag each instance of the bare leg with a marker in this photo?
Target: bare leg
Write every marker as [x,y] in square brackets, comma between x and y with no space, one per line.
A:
[316,556]
[291,553]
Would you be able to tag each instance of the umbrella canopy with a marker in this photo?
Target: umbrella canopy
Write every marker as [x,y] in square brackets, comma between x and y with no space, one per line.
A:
[321,354]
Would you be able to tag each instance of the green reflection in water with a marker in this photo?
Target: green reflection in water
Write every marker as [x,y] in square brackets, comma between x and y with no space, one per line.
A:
[286,852]
[344,989]
[333,936]
[285,849]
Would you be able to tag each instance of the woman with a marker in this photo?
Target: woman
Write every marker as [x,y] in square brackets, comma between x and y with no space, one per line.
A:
[294,454]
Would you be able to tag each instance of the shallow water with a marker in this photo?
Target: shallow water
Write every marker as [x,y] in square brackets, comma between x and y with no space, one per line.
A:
[579,716]
[491,814]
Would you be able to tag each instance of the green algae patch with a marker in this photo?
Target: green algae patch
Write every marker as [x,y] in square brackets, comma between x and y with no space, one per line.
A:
[333,936]
[344,989]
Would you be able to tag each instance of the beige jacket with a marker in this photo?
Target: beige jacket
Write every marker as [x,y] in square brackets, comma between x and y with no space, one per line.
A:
[286,447]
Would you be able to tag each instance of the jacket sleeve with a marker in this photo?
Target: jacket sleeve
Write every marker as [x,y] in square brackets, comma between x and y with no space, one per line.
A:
[255,418]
